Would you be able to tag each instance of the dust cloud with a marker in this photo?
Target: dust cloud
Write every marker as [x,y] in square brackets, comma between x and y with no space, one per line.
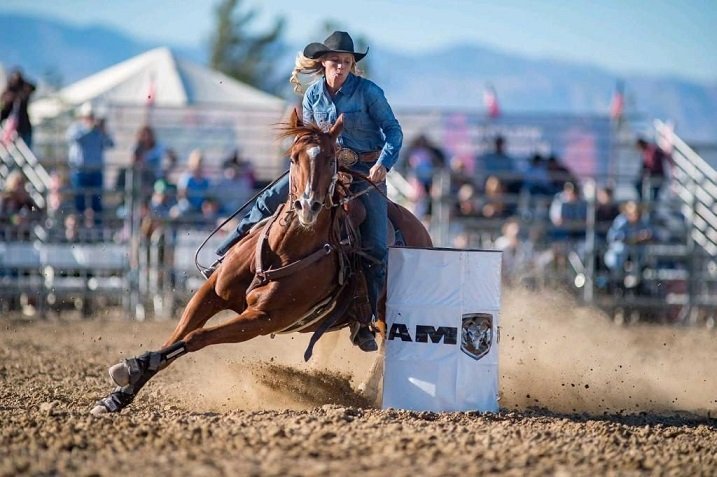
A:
[554,354]
[567,358]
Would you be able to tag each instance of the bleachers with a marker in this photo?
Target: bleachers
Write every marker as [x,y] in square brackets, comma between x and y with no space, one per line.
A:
[77,271]
[57,274]
[20,273]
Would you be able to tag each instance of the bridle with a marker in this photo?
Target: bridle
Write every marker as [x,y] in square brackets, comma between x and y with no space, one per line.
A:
[328,202]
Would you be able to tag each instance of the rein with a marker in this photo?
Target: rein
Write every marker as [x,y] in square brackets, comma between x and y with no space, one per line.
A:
[263,276]
[202,269]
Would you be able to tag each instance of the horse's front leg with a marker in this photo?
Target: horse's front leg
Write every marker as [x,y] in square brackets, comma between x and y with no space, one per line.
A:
[203,305]
[132,374]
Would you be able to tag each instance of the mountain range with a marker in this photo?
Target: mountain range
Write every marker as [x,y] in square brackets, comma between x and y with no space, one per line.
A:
[448,78]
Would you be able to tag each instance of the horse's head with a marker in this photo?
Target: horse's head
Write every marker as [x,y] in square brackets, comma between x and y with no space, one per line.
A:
[314,169]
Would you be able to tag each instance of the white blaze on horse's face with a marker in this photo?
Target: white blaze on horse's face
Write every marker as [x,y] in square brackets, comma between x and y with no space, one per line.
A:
[308,205]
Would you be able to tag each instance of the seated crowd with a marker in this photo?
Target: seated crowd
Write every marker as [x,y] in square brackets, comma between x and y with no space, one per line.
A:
[152,185]
[539,212]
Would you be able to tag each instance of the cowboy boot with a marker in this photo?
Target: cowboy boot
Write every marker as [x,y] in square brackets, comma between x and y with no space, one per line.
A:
[362,336]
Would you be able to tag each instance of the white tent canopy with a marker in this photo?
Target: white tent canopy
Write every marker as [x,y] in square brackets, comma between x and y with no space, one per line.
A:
[155,77]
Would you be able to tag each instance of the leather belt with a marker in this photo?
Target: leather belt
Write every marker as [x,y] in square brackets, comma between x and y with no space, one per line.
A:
[349,157]
[370,156]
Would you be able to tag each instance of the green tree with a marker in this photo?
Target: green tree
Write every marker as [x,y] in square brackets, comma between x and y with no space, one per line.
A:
[240,51]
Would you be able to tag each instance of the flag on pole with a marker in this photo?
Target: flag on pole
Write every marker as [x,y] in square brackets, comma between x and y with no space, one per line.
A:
[151,92]
[9,129]
[490,99]
[617,106]
[149,101]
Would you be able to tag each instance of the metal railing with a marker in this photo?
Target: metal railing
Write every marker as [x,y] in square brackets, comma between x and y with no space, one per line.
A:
[16,155]
[695,184]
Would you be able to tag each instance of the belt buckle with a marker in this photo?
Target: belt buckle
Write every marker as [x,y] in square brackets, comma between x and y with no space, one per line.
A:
[347,157]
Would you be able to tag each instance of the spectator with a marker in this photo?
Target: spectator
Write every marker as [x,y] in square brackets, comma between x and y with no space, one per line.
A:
[160,206]
[16,207]
[559,174]
[424,160]
[537,179]
[459,176]
[500,165]
[138,179]
[467,204]
[71,231]
[13,107]
[193,185]
[516,256]
[160,211]
[494,202]
[210,210]
[568,213]
[235,187]
[58,200]
[169,165]
[606,209]
[148,154]
[628,231]
[88,139]
[652,172]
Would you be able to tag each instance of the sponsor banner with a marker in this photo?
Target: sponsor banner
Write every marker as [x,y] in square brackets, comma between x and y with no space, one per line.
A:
[442,316]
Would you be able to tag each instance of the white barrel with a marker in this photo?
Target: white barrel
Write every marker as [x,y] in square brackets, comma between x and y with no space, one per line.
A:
[442,317]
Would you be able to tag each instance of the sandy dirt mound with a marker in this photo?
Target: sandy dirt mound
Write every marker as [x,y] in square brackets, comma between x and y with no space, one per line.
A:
[580,396]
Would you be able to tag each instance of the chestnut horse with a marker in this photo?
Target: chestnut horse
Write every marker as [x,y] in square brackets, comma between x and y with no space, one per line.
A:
[264,277]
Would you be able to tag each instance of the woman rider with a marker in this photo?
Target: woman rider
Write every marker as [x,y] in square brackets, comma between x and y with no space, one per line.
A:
[370,130]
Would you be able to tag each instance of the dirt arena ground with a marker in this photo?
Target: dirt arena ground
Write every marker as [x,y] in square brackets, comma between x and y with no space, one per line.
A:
[580,396]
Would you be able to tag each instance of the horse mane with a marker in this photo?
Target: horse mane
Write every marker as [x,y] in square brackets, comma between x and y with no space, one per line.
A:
[287,130]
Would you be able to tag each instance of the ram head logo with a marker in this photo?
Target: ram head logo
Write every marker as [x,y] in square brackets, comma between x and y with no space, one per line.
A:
[477,334]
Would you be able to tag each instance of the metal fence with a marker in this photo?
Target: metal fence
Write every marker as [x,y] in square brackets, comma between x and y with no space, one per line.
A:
[124,255]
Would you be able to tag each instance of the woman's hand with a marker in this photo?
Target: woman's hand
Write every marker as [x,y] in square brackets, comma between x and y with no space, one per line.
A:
[377,174]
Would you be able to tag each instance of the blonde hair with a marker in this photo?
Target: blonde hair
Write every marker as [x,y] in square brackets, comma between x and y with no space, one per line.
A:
[196,157]
[304,65]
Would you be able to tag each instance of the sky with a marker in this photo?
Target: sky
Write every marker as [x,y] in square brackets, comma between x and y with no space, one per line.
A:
[678,38]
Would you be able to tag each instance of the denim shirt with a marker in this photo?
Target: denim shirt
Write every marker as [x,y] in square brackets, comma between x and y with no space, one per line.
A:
[369,123]
[87,147]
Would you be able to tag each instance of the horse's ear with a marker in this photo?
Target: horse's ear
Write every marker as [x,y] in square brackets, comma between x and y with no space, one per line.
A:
[295,120]
[337,127]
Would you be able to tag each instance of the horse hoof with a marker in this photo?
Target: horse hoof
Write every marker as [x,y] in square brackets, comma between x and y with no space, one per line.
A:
[99,410]
[120,374]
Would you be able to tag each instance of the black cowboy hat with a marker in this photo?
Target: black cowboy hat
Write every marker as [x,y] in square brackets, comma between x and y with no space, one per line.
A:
[337,42]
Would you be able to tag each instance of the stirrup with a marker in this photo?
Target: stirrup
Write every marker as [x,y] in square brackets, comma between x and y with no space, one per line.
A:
[207,272]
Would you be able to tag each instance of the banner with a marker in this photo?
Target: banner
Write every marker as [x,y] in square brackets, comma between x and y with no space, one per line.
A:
[442,317]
